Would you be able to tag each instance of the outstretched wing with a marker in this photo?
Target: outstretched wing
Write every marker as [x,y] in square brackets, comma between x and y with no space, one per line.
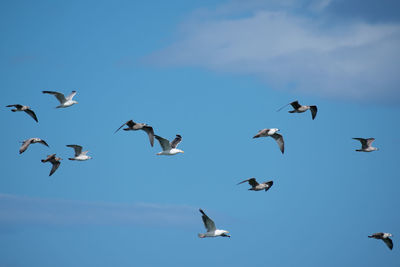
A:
[369,141]
[25,145]
[252,182]
[164,143]
[208,223]
[129,123]
[295,104]
[388,242]
[73,93]
[43,142]
[56,164]
[364,142]
[150,133]
[32,114]
[176,141]
[18,106]
[279,139]
[313,110]
[60,97]
[77,148]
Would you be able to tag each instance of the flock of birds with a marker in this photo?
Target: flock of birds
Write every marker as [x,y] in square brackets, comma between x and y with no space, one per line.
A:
[170,148]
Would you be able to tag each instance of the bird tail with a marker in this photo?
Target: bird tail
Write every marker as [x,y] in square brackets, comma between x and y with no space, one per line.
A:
[292,111]
[370,236]
[71,158]
[13,110]
[201,235]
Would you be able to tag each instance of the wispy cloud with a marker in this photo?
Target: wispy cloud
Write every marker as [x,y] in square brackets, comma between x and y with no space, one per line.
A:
[293,45]
[15,210]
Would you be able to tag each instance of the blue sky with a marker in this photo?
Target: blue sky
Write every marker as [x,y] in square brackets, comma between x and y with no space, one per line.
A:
[214,72]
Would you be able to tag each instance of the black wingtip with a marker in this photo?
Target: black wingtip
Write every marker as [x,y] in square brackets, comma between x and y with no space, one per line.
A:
[202,212]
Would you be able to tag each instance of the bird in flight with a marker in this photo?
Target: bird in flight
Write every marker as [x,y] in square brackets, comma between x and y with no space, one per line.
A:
[26,109]
[64,101]
[79,154]
[297,108]
[212,231]
[273,133]
[256,186]
[366,144]
[54,161]
[27,142]
[385,237]
[168,148]
[133,126]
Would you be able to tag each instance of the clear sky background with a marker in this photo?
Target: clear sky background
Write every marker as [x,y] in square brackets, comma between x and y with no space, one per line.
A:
[214,72]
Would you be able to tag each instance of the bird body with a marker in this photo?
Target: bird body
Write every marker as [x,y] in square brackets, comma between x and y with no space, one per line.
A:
[255,186]
[297,108]
[29,141]
[212,231]
[168,148]
[272,133]
[26,109]
[366,145]
[64,101]
[385,237]
[79,154]
[134,126]
[55,161]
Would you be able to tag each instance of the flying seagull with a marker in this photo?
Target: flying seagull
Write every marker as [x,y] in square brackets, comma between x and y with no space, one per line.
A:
[64,101]
[133,126]
[273,133]
[167,147]
[79,154]
[27,109]
[256,186]
[385,237]
[212,231]
[300,108]
[366,145]
[54,161]
[29,141]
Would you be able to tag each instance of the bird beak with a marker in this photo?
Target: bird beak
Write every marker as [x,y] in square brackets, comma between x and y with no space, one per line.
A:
[183,151]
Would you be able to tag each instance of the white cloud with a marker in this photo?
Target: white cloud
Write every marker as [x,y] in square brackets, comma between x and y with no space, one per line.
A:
[350,59]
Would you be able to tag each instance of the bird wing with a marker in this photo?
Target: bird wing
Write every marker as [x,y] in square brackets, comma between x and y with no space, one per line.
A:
[43,142]
[208,223]
[369,141]
[363,142]
[77,148]
[269,184]
[261,132]
[32,114]
[279,139]
[71,95]
[388,242]
[164,143]
[25,145]
[56,164]
[61,98]
[150,133]
[18,106]
[130,123]
[295,104]
[313,110]
[252,182]
[176,141]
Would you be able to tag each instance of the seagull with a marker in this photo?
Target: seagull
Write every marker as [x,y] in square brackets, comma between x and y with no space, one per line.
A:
[27,109]
[256,186]
[273,133]
[79,154]
[64,101]
[385,237]
[169,148]
[300,108]
[29,141]
[133,126]
[366,145]
[54,161]
[212,231]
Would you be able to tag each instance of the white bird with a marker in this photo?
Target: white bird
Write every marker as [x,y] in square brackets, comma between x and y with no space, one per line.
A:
[300,108]
[366,145]
[79,154]
[256,186]
[54,161]
[64,101]
[385,237]
[212,231]
[26,109]
[133,126]
[168,148]
[273,133]
[29,141]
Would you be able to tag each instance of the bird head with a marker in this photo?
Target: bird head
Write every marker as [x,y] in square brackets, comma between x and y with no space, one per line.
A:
[75,102]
